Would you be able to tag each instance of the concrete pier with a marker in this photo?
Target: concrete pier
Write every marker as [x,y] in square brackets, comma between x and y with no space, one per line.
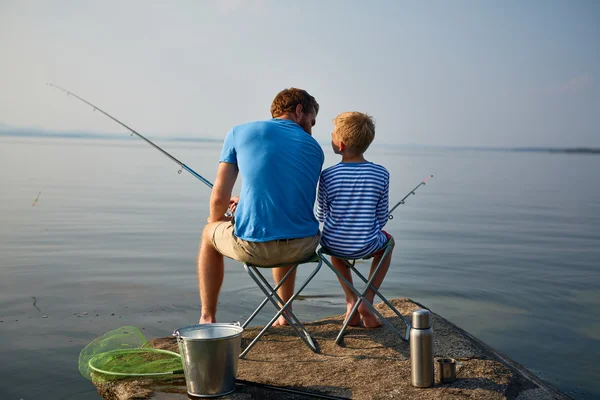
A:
[371,364]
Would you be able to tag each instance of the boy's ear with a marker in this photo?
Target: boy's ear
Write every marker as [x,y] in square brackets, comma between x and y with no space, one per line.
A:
[342,146]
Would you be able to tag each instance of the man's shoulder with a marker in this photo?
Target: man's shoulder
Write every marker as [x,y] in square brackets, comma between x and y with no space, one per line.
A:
[251,125]
[273,124]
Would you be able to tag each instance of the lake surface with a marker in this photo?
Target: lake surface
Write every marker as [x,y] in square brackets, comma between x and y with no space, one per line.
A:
[506,245]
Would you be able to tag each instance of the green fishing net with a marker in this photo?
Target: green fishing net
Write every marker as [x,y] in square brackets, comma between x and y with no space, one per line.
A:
[125,352]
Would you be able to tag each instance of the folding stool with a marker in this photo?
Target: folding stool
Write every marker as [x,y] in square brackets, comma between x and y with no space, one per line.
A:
[323,252]
[272,296]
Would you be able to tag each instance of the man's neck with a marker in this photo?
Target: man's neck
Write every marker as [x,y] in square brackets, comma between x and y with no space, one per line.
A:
[288,116]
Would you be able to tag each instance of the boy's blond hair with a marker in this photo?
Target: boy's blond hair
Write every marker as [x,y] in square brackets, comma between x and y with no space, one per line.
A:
[355,129]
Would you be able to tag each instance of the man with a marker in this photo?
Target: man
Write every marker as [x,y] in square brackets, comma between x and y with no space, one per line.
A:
[274,223]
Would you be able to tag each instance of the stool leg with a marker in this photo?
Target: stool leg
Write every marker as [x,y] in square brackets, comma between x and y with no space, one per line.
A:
[360,297]
[390,306]
[272,296]
[266,299]
[404,337]
[309,340]
[352,288]
[280,304]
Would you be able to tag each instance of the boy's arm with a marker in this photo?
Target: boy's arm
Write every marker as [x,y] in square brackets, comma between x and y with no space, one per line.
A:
[322,205]
[383,204]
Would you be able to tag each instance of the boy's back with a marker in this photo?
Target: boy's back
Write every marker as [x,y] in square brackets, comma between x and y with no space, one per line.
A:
[353,204]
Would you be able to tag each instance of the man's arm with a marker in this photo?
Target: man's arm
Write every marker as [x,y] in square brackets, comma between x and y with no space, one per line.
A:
[221,192]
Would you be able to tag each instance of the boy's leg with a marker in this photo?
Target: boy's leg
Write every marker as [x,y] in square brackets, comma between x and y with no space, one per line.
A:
[286,291]
[369,319]
[351,298]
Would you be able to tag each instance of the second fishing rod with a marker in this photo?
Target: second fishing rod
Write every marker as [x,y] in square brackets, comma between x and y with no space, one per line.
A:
[182,165]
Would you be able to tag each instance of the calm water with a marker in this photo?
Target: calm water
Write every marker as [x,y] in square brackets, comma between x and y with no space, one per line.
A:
[505,245]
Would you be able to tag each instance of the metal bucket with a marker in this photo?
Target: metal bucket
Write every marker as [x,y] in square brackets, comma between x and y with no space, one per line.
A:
[209,354]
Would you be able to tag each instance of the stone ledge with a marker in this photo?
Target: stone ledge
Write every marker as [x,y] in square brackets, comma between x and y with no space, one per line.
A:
[371,364]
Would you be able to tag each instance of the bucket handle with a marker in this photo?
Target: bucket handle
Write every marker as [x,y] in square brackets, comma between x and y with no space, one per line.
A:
[177,334]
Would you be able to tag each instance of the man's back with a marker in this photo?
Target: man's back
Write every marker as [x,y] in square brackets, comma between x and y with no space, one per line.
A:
[279,164]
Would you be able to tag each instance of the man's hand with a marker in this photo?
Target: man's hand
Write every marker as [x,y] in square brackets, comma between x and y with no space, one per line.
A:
[233,202]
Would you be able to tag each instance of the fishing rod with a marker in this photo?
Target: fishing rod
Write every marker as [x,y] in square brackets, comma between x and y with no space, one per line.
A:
[409,193]
[182,165]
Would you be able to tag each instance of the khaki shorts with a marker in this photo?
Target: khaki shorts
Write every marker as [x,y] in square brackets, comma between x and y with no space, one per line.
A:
[264,254]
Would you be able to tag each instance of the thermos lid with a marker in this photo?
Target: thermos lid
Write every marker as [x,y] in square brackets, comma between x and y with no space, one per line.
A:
[420,319]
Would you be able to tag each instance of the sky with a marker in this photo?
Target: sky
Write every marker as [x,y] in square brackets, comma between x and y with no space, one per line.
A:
[450,73]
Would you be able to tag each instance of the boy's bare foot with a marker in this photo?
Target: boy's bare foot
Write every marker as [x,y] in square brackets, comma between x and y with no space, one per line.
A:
[368,318]
[355,321]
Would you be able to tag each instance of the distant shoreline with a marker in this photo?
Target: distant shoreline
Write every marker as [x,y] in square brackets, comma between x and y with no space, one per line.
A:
[99,136]
[577,150]
[125,136]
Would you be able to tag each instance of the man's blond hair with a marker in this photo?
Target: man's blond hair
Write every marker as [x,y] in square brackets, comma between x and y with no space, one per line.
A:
[355,129]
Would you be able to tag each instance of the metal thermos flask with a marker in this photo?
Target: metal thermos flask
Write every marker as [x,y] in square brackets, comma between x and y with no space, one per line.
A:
[421,349]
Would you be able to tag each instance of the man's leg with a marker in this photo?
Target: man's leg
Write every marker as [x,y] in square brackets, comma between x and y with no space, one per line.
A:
[298,249]
[351,298]
[210,275]
[286,291]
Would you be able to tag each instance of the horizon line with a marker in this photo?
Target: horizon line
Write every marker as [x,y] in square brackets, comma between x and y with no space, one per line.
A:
[9,131]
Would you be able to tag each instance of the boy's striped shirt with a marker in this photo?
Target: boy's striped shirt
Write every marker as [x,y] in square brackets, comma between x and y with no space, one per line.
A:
[353,204]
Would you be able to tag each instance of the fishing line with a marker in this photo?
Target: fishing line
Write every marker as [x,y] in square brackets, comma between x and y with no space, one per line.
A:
[290,390]
[210,185]
[409,193]
[96,108]
[182,165]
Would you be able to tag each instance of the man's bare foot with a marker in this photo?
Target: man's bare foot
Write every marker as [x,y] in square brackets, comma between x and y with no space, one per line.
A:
[204,319]
[355,321]
[281,320]
[368,318]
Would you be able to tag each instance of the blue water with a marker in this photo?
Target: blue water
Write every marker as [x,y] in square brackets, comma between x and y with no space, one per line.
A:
[504,244]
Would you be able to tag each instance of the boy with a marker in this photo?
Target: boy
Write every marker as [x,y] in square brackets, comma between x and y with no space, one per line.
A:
[353,205]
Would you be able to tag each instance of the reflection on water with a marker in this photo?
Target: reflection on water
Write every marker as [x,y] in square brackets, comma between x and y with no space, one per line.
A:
[505,245]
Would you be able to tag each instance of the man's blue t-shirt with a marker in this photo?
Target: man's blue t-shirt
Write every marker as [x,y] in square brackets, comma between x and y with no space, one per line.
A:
[279,164]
